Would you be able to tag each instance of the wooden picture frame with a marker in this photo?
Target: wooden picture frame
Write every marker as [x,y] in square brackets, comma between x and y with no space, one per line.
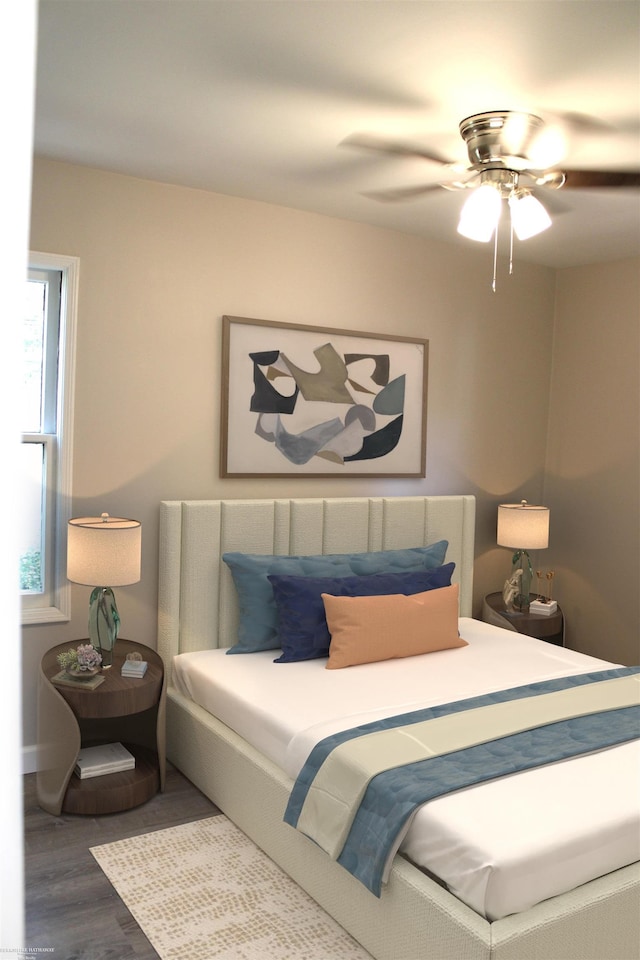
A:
[313,401]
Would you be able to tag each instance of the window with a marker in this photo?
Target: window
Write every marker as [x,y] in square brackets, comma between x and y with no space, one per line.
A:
[48,338]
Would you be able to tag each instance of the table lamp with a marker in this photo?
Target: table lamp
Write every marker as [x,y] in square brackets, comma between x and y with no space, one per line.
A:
[103,550]
[523,527]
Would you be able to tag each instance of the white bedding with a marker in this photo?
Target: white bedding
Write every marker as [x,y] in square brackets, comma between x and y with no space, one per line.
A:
[500,847]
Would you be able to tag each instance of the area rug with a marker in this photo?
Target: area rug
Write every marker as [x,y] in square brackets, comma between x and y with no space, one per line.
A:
[204,891]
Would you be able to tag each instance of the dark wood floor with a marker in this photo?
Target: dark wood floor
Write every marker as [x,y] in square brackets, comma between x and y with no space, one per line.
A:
[69,903]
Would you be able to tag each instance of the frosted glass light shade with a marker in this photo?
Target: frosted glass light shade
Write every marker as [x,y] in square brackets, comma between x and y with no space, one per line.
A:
[104,551]
[528,216]
[523,526]
[480,214]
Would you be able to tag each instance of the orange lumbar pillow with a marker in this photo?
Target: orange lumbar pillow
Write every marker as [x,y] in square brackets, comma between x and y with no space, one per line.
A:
[368,629]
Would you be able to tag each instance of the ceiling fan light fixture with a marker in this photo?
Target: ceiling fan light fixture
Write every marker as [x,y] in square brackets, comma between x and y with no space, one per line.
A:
[480,214]
[510,153]
[528,216]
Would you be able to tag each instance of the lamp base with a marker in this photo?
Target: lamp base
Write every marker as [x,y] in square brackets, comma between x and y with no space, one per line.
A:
[104,623]
[520,580]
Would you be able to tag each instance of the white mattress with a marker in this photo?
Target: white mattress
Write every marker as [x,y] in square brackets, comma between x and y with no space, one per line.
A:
[500,847]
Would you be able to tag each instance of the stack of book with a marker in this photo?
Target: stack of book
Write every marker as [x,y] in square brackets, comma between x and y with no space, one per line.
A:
[134,668]
[105,758]
[545,607]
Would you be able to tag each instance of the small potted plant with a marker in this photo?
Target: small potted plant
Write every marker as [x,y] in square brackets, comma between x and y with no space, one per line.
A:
[81,663]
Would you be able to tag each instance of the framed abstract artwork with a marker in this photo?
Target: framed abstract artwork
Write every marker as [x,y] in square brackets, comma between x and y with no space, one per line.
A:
[319,402]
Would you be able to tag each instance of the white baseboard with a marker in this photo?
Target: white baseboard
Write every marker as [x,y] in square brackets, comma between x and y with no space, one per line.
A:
[30,759]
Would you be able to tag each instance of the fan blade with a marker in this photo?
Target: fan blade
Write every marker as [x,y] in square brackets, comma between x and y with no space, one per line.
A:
[578,179]
[402,193]
[581,122]
[368,142]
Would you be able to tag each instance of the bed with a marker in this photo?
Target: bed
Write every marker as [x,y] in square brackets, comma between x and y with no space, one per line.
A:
[416,917]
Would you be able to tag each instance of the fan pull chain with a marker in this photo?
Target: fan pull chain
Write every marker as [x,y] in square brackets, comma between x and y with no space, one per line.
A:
[495,254]
[511,247]
[495,258]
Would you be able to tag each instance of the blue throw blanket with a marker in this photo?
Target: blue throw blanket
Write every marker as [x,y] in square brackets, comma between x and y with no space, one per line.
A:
[392,797]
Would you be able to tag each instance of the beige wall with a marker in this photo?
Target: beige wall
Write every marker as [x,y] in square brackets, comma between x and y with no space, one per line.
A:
[593,460]
[160,265]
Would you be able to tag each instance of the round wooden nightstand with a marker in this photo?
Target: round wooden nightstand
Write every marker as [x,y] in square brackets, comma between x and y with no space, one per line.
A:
[541,626]
[122,709]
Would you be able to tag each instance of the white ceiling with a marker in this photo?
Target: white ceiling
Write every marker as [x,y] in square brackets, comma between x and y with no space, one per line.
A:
[252,99]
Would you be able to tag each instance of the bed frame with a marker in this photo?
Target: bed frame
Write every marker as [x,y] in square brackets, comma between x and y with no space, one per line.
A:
[416,918]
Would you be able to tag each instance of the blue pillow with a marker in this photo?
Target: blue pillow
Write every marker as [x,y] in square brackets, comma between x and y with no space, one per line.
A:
[302,626]
[257,629]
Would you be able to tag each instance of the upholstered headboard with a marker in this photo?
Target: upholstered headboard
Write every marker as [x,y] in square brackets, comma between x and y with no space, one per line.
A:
[197,605]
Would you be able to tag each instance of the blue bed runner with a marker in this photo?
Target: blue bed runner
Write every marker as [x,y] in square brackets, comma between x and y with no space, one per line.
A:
[393,795]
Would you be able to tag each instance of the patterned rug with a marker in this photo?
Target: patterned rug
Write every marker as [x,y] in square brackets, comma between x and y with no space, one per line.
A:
[204,891]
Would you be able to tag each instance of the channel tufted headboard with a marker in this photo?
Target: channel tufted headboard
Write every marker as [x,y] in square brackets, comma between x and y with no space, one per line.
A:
[197,607]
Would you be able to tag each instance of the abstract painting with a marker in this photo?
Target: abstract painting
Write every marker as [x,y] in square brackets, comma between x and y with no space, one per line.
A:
[316,401]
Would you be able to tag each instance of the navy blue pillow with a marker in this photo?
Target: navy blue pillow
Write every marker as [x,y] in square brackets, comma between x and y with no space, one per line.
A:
[303,633]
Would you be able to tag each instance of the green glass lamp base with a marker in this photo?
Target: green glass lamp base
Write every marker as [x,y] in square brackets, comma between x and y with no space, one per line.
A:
[104,623]
[522,561]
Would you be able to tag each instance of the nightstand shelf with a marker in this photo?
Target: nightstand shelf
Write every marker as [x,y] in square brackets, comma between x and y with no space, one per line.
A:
[126,710]
[115,791]
[549,628]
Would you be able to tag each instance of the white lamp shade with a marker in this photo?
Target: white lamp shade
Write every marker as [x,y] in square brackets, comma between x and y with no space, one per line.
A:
[104,551]
[523,526]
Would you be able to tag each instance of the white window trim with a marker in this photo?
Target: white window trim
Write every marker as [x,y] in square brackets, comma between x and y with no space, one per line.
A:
[70,268]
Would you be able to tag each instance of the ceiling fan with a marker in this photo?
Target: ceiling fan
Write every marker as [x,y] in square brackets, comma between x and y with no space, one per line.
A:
[520,144]
[513,156]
